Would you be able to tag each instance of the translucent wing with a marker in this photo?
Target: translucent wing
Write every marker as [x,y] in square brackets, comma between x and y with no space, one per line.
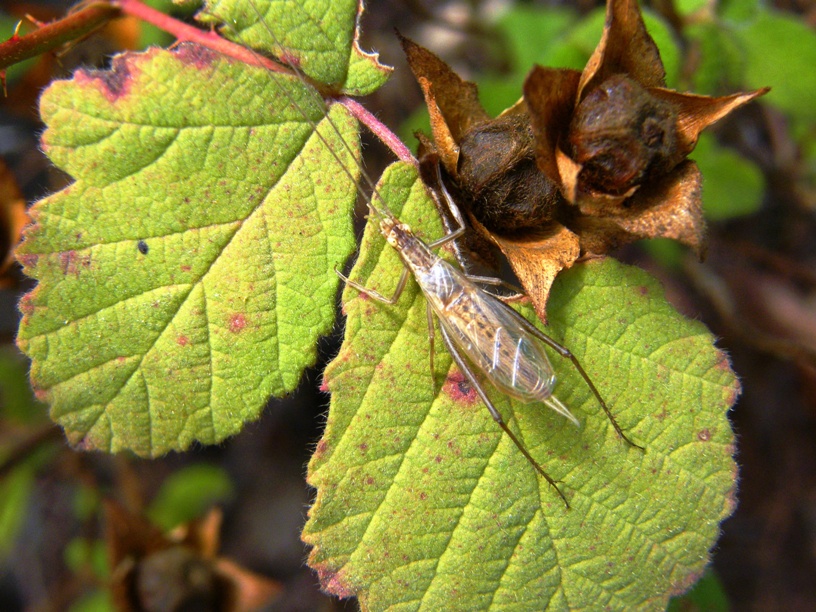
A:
[489,334]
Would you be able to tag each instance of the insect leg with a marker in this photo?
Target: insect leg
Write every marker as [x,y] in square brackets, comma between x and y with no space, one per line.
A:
[465,369]
[375,295]
[497,282]
[563,351]
[429,313]
[454,211]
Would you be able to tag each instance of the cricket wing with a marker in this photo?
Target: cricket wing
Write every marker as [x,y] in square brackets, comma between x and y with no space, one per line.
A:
[497,344]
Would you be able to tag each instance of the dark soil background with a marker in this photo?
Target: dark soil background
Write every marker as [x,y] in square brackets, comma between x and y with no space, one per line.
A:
[756,291]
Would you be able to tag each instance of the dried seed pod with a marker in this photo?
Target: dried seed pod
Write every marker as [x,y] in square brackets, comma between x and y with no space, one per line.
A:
[498,176]
[609,145]
[623,136]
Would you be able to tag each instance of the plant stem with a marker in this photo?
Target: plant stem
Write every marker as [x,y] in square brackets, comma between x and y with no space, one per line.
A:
[210,39]
[45,38]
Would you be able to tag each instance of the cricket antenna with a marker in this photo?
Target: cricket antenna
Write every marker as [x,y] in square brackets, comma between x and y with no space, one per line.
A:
[311,91]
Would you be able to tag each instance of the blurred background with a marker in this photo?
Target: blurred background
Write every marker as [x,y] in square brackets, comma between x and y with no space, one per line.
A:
[756,292]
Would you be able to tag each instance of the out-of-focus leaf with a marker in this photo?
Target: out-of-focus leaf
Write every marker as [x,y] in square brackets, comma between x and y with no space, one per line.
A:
[707,595]
[16,398]
[96,601]
[732,185]
[721,58]
[81,553]
[780,51]
[15,491]
[580,41]
[186,494]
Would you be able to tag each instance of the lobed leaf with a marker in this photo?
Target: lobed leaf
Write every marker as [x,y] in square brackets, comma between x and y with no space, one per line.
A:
[423,503]
[188,272]
[319,37]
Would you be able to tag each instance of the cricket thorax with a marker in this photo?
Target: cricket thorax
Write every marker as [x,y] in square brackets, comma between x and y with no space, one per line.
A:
[411,249]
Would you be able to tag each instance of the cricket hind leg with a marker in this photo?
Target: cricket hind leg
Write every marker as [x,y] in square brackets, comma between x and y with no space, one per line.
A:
[465,369]
[564,352]
[403,280]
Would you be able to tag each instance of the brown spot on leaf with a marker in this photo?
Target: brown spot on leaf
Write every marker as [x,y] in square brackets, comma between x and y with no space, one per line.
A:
[237,322]
[332,581]
[182,340]
[458,388]
[196,55]
[72,263]
[113,83]
[704,435]
[321,448]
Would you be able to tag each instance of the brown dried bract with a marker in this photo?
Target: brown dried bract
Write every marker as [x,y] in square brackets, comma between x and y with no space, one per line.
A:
[177,571]
[584,162]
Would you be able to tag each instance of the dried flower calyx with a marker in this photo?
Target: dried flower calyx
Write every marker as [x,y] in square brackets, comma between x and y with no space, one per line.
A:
[584,162]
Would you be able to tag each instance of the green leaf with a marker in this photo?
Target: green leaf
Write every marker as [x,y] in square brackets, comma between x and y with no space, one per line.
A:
[15,493]
[780,51]
[187,494]
[17,402]
[580,41]
[82,554]
[319,36]
[708,595]
[529,33]
[188,272]
[733,186]
[423,502]
[721,58]
[96,601]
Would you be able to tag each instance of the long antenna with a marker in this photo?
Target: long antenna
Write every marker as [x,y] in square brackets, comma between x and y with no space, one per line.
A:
[311,91]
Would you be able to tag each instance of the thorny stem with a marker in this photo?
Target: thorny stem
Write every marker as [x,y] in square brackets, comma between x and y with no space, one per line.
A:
[52,35]
[187,33]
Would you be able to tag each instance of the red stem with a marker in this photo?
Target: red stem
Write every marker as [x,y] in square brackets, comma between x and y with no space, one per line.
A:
[186,33]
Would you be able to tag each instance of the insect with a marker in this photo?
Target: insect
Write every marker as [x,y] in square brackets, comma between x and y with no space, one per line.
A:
[482,333]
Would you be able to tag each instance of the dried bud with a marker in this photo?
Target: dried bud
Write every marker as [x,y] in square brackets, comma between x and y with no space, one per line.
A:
[497,173]
[623,136]
[585,162]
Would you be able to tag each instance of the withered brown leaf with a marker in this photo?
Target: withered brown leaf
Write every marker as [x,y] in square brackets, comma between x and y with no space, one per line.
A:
[151,570]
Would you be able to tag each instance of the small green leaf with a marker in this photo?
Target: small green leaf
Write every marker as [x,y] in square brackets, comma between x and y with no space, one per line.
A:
[15,492]
[187,494]
[708,595]
[319,37]
[732,185]
[423,502]
[780,52]
[188,272]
